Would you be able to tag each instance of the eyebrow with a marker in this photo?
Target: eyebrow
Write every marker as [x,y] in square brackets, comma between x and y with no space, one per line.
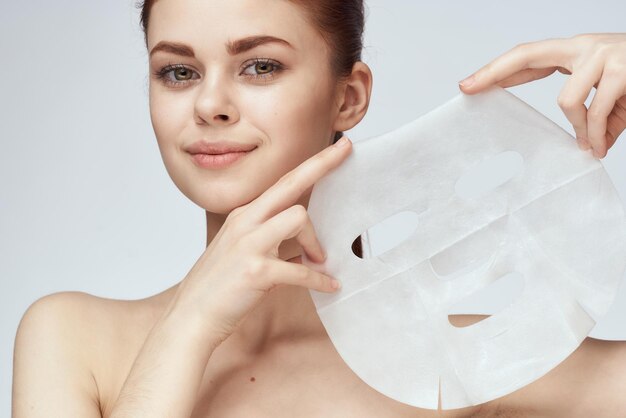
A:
[232,47]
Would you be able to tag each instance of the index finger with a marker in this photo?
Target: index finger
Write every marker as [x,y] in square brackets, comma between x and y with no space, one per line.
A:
[286,191]
[540,54]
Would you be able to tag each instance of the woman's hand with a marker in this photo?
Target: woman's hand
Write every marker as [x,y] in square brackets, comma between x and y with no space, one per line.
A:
[592,60]
[241,265]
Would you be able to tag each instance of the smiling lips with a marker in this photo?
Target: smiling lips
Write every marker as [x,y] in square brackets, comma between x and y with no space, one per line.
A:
[220,147]
[218,154]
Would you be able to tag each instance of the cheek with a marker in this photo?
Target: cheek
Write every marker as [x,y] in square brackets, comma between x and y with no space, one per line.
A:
[296,124]
[295,115]
[295,121]
[167,114]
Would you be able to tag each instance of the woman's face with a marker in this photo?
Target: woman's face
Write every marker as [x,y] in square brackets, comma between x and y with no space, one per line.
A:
[279,96]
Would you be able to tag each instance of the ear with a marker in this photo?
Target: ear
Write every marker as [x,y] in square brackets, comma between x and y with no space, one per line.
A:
[353,97]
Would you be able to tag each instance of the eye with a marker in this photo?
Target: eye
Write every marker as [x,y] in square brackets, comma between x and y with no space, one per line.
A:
[262,68]
[182,74]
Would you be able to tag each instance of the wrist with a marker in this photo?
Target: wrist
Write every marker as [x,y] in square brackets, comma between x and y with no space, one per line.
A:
[182,317]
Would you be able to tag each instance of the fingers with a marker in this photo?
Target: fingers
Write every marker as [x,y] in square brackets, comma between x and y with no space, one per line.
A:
[524,76]
[292,222]
[610,89]
[293,184]
[548,53]
[599,61]
[277,272]
[573,96]
[616,122]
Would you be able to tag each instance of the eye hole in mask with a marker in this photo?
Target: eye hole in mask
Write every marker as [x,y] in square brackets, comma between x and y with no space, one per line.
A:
[388,234]
[489,174]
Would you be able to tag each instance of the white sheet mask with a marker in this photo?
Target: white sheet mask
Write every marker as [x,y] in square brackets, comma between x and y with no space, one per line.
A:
[558,222]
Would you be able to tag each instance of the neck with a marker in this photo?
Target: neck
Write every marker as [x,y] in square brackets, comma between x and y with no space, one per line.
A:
[286,312]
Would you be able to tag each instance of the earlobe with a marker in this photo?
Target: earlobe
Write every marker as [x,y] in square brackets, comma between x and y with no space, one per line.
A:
[355,97]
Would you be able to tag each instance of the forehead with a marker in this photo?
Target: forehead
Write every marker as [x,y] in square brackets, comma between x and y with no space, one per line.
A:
[208,24]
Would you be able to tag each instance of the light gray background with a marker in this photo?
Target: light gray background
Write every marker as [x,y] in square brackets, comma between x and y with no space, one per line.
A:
[86,203]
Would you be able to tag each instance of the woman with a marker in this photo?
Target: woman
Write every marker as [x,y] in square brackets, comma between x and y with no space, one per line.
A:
[239,335]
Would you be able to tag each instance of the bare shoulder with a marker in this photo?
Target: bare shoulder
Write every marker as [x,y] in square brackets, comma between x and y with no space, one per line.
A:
[60,321]
[49,364]
[69,306]
[71,346]
[82,319]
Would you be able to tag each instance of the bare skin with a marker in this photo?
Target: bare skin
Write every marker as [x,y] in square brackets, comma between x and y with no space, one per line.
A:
[265,373]
[80,355]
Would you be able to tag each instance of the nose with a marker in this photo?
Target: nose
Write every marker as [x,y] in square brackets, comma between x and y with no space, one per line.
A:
[214,105]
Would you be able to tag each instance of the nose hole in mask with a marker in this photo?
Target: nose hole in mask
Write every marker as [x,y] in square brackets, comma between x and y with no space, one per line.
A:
[473,254]
[489,300]
[448,270]
[388,234]
[489,174]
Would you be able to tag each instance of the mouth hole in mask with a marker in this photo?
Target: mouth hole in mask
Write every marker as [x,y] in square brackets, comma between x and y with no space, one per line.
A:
[490,300]
[489,174]
[387,234]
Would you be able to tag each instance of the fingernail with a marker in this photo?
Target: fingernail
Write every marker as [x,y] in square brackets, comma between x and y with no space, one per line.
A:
[596,154]
[468,81]
[334,283]
[342,142]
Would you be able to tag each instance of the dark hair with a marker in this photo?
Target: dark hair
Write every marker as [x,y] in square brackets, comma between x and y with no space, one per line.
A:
[341,24]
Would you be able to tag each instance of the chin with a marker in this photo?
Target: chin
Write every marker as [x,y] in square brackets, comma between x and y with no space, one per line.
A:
[222,202]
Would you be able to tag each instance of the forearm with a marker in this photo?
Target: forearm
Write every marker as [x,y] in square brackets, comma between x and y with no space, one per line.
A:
[166,375]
